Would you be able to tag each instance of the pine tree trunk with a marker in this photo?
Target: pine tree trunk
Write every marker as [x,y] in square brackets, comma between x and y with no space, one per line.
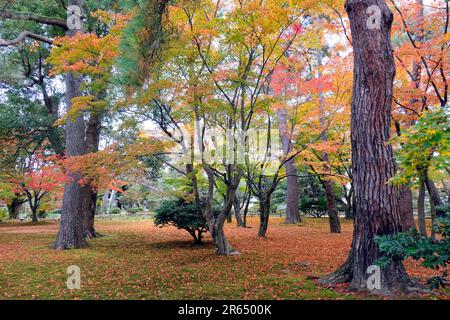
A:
[71,230]
[292,194]
[376,201]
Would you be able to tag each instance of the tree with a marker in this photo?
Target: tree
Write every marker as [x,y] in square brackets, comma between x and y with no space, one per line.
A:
[71,231]
[421,53]
[376,201]
[42,177]
[182,215]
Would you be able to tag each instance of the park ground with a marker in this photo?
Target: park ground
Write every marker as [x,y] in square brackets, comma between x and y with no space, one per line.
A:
[136,260]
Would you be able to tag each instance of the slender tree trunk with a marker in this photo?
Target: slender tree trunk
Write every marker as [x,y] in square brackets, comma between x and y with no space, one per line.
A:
[90,194]
[333,214]
[376,201]
[71,231]
[237,211]
[292,194]
[421,209]
[406,208]
[405,195]
[34,216]
[264,214]
[215,224]
[434,195]
[246,206]
[433,201]
[229,217]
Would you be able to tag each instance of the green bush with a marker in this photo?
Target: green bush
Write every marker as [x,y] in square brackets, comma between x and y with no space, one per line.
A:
[134,210]
[442,210]
[115,211]
[3,214]
[56,212]
[183,215]
[434,254]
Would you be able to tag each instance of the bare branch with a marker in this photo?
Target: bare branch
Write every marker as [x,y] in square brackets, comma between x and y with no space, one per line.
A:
[22,37]
[34,17]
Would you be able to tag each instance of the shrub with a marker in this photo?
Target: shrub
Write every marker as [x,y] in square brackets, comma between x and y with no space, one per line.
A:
[183,215]
[56,212]
[434,254]
[134,210]
[3,214]
[115,211]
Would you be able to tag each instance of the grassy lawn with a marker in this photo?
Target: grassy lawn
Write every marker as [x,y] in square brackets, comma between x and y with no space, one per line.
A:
[136,260]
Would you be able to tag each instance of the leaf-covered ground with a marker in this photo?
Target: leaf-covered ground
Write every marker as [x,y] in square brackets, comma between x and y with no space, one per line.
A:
[136,260]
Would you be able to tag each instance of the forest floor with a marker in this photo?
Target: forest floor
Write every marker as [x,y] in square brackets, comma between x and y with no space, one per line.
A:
[136,260]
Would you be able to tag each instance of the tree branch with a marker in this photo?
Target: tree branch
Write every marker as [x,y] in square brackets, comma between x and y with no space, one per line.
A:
[22,36]
[34,17]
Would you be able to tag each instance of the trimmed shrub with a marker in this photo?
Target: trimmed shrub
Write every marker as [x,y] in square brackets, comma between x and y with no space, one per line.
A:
[183,215]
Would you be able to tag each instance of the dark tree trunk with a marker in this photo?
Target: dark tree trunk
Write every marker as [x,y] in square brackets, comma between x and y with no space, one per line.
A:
[14,208]
[90,194]
[333,214]
[53,133]
[237,211]
[264,214]
[421,210]
[229,217]
[89,209]
[292,194]
[246,206]
[434,196]
[433,202]
[71,229]
[406,208]
[376,201]
[215,224]
[34,216]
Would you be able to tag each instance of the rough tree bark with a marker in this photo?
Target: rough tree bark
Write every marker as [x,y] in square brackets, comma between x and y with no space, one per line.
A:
[90,194]
[376,201]
[71,231]
[292,194]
